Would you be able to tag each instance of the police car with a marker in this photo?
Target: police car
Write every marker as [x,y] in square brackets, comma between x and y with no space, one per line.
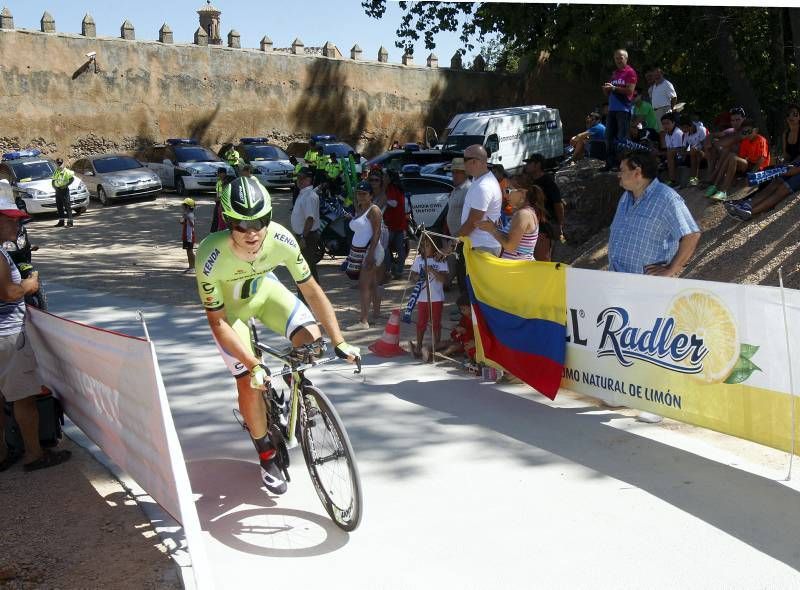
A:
[31,175]
[270,164]
[426,196]
[184,165]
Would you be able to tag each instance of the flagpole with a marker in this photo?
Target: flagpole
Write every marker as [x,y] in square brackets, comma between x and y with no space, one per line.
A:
[791,373]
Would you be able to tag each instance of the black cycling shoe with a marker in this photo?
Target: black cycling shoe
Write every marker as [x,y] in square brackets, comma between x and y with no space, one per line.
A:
[272,476]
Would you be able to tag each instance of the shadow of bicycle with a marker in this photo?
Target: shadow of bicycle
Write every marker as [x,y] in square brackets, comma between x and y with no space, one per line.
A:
[236,512]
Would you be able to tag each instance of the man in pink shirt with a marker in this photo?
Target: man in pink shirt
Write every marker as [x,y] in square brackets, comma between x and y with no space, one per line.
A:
[620,90]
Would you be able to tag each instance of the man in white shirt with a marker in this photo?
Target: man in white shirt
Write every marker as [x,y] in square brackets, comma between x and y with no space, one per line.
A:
[662,93]
[483,200]
[305,219]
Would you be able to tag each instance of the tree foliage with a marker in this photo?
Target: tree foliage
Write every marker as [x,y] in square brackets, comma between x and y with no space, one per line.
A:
[717,57]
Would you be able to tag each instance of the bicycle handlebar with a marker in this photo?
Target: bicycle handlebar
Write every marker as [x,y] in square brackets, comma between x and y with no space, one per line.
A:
[299,358]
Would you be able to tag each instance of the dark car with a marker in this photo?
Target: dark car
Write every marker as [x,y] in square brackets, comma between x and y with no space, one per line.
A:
[397,159]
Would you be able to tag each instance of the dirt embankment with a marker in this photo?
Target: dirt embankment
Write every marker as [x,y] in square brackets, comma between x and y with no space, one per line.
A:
[729,251]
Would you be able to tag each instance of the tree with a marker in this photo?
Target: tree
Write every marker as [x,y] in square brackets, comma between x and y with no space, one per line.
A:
[717,57]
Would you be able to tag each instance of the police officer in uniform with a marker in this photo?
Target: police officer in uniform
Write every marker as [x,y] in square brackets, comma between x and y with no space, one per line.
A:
[62,178]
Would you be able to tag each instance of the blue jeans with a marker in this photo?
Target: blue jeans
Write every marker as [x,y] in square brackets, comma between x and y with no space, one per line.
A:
[617,124]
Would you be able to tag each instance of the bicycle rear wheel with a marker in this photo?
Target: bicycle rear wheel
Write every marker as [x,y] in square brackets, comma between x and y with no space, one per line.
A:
[330,460]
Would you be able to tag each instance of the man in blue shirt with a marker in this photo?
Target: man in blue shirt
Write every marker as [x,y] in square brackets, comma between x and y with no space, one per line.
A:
[587,142]
[653,232]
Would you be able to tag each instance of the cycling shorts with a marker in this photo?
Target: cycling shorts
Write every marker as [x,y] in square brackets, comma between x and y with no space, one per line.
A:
[275,307]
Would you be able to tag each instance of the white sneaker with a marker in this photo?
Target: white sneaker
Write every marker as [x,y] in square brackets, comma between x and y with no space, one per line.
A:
[649,417]
[272,476]
[357,326]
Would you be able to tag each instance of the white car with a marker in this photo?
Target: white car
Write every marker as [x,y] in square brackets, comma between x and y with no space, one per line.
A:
[270,164]
[184,165]
[31,176]
[115,176]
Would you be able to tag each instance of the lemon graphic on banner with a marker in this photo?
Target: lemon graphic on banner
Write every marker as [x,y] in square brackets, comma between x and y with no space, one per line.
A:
[704,314]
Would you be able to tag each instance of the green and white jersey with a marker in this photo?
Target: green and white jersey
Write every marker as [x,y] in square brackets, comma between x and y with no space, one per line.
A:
[224,280]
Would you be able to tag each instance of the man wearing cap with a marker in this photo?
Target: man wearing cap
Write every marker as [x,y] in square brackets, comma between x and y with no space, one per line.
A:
[19,380]
[482,201]
[62,178]
[305,219]
[455,206]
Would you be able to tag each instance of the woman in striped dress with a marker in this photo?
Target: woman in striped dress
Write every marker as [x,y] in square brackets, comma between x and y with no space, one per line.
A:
[527,200]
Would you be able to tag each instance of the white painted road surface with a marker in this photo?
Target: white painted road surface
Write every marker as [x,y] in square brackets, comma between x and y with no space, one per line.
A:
[468,484]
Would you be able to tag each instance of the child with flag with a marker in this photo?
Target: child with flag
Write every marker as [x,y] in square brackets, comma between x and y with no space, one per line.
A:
[431,294]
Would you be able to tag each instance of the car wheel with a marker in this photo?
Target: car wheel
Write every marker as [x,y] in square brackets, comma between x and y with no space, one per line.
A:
[180,188]
[103,197]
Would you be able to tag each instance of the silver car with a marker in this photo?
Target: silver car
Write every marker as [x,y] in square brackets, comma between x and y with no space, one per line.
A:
[115,176]
[270,163]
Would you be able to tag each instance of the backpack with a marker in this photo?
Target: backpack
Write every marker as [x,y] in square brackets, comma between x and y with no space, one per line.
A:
[51,419]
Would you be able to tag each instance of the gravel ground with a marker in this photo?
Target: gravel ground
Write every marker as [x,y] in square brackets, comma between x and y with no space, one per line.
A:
[74,526]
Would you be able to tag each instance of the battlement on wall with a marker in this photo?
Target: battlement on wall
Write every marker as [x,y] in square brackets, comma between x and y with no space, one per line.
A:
[88,30]
[75,94]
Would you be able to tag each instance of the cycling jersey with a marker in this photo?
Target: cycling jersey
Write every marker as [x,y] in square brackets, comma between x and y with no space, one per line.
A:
[250,289]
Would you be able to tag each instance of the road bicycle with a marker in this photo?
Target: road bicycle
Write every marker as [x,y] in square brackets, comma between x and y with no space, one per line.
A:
[308,416]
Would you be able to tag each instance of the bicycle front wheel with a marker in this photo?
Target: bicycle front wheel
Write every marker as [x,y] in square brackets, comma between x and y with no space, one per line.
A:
[330,460]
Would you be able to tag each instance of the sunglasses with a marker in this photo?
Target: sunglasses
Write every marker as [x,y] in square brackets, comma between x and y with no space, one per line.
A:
[243,226]
[512,189]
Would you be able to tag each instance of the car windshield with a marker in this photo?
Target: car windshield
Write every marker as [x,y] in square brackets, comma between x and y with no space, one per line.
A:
[461,142]
[340,149]
[265,152]
[436,168]
[115,164]
[35,170]
[189,154]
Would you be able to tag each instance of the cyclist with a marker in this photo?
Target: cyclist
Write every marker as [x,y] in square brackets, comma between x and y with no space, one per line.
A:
[235,282]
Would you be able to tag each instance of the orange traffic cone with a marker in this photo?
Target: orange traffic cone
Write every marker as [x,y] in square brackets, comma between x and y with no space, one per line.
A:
[389,343]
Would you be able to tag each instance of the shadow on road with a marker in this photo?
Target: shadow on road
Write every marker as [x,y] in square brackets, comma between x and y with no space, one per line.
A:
[756,510]
[227,485]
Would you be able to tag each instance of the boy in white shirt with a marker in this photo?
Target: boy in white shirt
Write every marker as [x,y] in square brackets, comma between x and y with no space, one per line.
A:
[694,135]
[672,147]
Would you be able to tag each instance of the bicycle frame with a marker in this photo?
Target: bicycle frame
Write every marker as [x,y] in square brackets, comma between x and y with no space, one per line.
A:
[295,368]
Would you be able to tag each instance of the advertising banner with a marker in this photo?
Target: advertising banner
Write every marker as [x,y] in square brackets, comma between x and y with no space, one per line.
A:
[111,388]
[705,353]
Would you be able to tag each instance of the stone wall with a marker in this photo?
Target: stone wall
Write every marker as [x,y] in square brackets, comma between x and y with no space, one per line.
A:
[137,92]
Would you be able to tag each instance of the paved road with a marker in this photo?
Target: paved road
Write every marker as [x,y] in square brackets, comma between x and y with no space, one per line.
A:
[468,484]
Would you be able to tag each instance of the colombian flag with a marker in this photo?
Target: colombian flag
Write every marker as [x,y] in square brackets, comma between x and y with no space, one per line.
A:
[519,310]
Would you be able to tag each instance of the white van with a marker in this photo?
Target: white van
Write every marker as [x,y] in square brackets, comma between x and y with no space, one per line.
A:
[510,135]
